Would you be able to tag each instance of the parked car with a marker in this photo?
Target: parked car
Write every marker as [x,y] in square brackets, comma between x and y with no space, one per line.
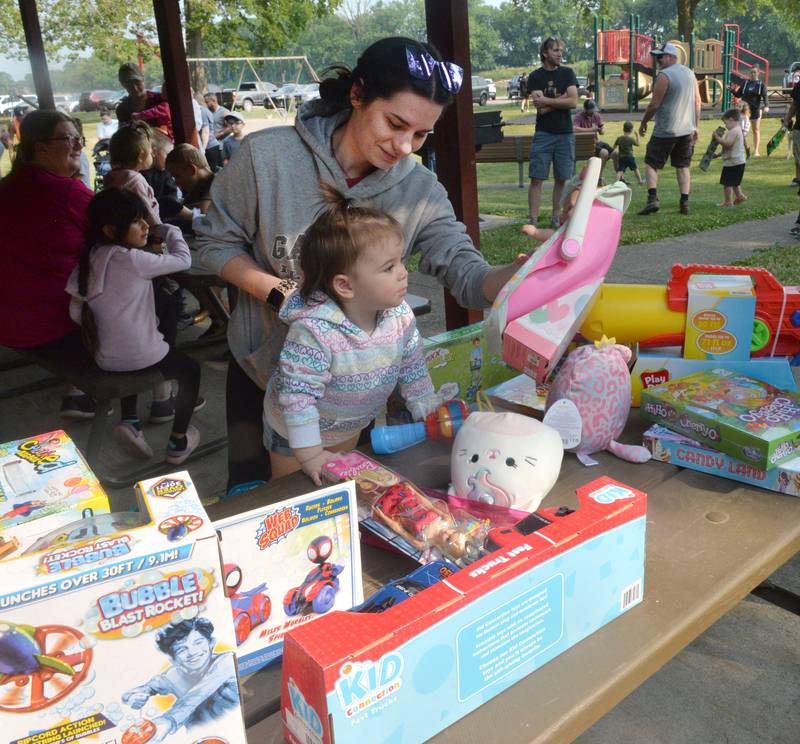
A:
[11,101]
[65,103]
[294,94]
[492,88]
[480,90]
[513,89]
[791,76]
[93,100]
[254,93]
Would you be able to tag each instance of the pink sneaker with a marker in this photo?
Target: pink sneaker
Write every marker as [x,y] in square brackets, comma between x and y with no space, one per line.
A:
[192,441]
[132,439]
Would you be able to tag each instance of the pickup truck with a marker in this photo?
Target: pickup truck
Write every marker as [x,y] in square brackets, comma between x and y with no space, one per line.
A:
[250,94]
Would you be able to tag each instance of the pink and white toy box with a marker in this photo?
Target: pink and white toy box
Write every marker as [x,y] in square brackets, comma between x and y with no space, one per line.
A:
[407,673]
[541,308]
[44,483]
[123,635]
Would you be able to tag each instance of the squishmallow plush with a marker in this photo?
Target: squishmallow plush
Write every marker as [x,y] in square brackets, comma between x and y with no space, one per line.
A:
[505,459]
[596,379]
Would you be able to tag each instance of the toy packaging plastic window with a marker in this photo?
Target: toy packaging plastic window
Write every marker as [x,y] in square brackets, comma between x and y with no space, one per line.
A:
[286,564]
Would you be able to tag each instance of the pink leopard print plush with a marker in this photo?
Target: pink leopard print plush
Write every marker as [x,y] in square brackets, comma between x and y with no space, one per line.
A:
[597,380]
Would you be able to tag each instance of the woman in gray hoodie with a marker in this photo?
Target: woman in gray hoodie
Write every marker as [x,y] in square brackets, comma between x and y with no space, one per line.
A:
[359,137]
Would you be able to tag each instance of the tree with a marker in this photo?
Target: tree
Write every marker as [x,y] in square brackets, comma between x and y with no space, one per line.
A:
[6,83]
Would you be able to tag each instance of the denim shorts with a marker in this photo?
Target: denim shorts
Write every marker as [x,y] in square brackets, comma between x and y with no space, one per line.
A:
[277,444]
[556,148]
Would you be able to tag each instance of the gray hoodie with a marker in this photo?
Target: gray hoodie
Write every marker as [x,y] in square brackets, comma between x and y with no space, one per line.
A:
[268,194]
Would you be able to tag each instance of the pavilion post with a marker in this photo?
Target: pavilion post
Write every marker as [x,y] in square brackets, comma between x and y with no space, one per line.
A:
[448,31]
[38,58]
[176,71]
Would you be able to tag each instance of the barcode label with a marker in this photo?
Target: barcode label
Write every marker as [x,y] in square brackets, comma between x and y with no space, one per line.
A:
[631,595]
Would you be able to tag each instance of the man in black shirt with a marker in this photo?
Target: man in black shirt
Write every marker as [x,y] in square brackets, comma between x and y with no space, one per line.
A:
[554,92]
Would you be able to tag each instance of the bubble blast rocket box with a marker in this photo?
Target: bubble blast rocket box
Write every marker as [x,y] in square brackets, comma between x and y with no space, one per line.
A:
[123,636]
[44,484]
[286,564]
[407,673]
[746,418]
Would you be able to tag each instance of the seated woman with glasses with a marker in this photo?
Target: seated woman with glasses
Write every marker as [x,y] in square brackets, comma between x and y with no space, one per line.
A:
[359,137]
[43,211]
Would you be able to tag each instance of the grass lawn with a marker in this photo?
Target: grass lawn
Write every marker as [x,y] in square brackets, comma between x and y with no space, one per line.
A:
[766,183]
[782,261]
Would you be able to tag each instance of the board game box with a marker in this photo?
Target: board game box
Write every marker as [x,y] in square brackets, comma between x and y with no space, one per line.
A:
[746,418]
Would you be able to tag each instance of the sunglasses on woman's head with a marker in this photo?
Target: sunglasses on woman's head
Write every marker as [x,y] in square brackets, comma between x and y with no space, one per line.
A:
[421,66]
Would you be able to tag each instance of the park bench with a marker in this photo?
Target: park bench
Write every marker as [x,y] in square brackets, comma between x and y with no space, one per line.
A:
[71,363]
[518,149]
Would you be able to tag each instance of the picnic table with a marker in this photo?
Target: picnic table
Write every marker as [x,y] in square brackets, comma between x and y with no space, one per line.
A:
[710,541]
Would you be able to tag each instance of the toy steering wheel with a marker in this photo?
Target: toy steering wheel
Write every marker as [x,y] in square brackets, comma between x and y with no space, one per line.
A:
[23,693]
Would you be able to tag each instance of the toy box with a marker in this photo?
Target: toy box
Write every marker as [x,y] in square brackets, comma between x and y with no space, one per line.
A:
[652,368]
[460,363]
[124,636]
[411,671]
[522,394]
[297,560]
[719,317]
[746,418]
[669,446]
[44,483]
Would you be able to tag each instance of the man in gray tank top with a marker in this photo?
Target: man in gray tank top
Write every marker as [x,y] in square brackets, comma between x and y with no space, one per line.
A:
[675,105]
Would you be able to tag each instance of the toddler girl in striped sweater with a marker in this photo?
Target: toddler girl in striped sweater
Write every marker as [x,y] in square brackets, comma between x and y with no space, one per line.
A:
[352,338]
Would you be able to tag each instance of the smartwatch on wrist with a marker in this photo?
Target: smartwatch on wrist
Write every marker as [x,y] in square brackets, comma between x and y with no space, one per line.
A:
[278,295]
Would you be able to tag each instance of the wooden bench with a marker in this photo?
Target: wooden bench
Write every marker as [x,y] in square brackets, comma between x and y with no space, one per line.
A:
[70,362]
[518,150]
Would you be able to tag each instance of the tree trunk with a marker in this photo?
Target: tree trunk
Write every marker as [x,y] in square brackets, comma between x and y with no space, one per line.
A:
[194,48]
[686,9]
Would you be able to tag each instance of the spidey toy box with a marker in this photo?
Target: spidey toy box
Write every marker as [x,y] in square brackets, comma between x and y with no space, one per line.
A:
[406,673]
[44,483]
[746,418]
[116,628]
[286,564]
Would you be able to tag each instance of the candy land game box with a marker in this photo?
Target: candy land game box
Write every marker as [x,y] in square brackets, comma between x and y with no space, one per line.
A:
[746,418]
[44,483]
[286,564]
[124,634]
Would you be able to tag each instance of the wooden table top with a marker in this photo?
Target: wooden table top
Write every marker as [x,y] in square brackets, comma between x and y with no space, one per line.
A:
[709,542]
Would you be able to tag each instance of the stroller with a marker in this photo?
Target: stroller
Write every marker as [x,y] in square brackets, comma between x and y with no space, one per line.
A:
[102,162]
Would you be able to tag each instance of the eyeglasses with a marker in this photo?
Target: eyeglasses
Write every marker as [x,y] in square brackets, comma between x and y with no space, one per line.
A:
[421,66]
[72,139]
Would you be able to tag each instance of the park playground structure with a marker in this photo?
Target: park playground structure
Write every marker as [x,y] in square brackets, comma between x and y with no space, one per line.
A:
[716,62]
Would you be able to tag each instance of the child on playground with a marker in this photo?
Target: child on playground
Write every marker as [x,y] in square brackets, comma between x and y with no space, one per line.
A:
[744,122]
[623,147]
[352,338]
[733,158]
[232,143]
[131,151]
[112,301]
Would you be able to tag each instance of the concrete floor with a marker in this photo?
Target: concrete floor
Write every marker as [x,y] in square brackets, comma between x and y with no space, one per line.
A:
[738,683]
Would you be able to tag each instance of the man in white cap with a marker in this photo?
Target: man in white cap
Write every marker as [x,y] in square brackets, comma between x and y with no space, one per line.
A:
[675,105]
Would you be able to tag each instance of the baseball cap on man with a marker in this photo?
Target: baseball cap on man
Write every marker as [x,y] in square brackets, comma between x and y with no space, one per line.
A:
[666,48]
[129,71]
[590,105]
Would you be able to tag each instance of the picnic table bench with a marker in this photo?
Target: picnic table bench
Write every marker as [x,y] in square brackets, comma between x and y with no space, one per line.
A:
[517,149]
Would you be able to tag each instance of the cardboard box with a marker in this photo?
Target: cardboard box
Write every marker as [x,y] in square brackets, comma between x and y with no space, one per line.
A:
[411,671]
[122,635]
[669,446]
[719,317]
[657,368]
[743,417]
[44,484]
[460,363]
[296,560]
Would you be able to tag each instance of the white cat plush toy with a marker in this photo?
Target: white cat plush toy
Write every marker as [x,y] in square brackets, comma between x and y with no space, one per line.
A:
[505,459]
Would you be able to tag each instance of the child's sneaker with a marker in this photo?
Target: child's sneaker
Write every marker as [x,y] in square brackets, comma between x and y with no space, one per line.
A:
[132,439]
[78,407]
[162,411]
[179,456]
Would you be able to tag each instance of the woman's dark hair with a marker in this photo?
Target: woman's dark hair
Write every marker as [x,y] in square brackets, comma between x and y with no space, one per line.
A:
[37,126]
[117,208]
[333,241]
[129,143]
[382,71]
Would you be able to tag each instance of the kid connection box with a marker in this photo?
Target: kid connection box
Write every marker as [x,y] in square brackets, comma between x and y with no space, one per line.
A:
[746,418]
[669,446]
[298,559]
[124,637]
[44,483]
[411,671]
